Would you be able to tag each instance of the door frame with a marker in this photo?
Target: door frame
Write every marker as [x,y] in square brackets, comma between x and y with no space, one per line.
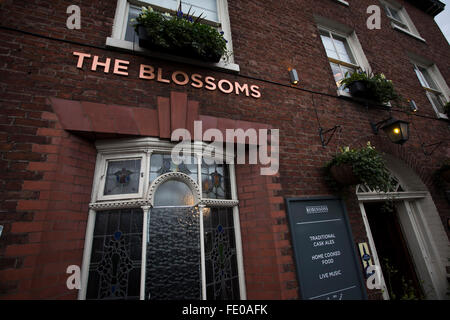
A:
[411,219]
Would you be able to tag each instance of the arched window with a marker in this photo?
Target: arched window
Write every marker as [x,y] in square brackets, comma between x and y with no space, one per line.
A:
[161,230]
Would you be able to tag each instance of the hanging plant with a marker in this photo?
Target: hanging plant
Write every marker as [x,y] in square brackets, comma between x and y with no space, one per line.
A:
[364,165]
[181,34]
[369,86]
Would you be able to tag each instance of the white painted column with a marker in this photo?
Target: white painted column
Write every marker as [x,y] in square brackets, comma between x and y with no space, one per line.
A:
[87,254]
[145,226]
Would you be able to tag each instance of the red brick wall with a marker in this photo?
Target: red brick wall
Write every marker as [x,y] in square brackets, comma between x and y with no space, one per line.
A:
[47,173]
[47,209]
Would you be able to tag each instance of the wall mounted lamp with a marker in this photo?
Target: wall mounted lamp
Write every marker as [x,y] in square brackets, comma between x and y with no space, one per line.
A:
[413,106]
[397,130]
[293,75]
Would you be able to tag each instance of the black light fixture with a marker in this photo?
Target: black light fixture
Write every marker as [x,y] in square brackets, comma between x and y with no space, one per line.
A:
[397,130]
[293,75]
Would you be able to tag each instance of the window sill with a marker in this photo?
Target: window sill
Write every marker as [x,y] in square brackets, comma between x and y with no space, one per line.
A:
[442,116]
[128,46]
[347,95]
[345,3]
[408,33]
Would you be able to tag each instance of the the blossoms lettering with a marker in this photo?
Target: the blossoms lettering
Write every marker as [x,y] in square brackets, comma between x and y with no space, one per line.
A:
[180,78]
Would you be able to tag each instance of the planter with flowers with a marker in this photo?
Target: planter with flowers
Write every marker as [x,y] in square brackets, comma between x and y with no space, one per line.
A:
[180,34]
[373,87]
[364,165]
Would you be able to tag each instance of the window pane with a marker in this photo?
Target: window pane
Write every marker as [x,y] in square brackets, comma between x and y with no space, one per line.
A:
[115,267]
[343,49]
[220,254]
[173,254]
[130,34]
[207,7]
[168,4]
[122,177]
[329,48]
[438,101]
[173,193]
[421,77]
[162,163]
[215,181]
[431,84]
[396,14]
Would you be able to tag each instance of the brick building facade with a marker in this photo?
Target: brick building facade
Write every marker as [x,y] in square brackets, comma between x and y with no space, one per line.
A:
[57,110]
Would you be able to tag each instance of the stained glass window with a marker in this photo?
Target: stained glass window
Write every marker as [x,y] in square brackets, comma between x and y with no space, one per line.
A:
[215,181]
[173,255]
[115,266]
[173,193]
[222,280]
[162,163]
[173,252]
[122,177]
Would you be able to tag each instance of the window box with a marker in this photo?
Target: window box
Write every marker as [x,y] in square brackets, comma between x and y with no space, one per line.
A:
[186,49]
[359,89]
[215,13]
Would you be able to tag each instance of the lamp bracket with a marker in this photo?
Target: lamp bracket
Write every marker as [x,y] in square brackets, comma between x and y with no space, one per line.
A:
[435,145]
[322,134]
[376,126]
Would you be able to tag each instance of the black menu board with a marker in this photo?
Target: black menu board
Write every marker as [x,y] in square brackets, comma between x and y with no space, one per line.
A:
[326,260]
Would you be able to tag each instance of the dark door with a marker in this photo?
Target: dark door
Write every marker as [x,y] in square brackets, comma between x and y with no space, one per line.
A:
[393,253]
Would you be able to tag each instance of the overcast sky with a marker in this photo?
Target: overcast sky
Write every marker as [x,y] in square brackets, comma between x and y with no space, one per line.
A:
[443,20]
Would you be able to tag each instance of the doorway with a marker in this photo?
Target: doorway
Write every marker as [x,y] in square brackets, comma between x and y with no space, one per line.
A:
[393,253]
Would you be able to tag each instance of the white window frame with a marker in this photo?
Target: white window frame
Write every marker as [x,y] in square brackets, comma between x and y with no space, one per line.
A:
[354,45]
[441,85]
[129,148]
[105,159]
[410,29]
[116,40]
[345,3]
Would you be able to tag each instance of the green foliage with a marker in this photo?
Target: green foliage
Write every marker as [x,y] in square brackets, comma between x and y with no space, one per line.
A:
[182,34]
[408,291]
[379,88]
[367,164]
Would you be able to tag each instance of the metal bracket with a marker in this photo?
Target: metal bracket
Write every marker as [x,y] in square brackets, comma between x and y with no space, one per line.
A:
[322,134]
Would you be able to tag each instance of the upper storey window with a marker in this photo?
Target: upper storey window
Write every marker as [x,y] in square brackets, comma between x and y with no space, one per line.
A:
[339,54]
[434,85]
[343,50]
[400,19]
[213,12]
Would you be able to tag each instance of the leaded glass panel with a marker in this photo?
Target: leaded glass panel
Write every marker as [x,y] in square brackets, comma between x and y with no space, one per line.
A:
[173,254]
[222,280]
[162,163]
[215,181]
[115,266]
[173,193]
[122,177]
